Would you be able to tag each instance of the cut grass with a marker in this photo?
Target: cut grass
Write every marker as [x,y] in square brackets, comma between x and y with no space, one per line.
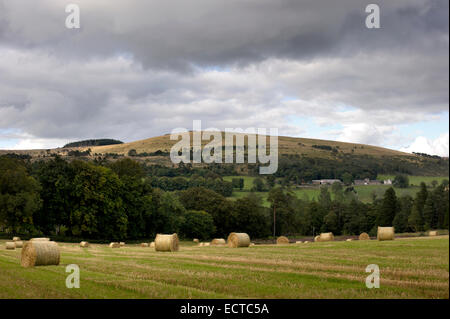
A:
[410,268]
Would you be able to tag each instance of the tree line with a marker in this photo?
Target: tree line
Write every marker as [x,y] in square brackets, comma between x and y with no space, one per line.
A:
[119,200]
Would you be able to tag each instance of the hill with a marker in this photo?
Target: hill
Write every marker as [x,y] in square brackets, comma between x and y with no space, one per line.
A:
[326,159]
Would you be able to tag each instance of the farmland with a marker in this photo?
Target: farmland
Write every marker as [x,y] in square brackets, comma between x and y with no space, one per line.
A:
[365,193]
[409,268]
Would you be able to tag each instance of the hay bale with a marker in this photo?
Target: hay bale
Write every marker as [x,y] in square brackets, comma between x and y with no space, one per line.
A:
[40,239]
[298,242]
[144,244]
[16,238]
[166,242]
[195,240]
[282,240]
[114,245]
[206,244]
[326,237]
[236,240]
[252,244]
[433,233]
[201,244]
[364,236]
[218,242]
[40,253]
[84,244]
[152,244]
[122,244]
[385,233]
[305,242]
[19,244]
[349,239]
[10,245]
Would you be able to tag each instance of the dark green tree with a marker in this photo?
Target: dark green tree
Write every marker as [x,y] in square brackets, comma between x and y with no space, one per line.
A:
[388,208]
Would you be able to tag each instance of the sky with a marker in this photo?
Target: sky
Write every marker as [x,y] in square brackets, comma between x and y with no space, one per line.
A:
[310,68]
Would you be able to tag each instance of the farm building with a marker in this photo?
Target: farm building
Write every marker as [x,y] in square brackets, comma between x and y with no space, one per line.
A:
[367,181]
[325,181]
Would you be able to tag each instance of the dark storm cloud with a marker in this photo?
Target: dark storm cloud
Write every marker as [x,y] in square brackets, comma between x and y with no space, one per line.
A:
[177,34]
[140,68]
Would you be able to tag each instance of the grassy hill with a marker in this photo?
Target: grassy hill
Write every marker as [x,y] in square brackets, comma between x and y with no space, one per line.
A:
[286,145]
[155,150]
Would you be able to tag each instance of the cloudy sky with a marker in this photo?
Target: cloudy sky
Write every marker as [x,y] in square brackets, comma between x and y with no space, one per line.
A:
[310,68]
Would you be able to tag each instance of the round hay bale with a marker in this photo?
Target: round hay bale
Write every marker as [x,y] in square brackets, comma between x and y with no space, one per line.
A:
[364,236]
[236,240]
[166,242]
[252,244]
[207,244]
[144,244]
[298,242]
[122,244]
[40,253]
[84,244]
[16,238]
[317,238]
[40,239]
[385,233]
[201,244]
[326,237]
[282,240]
[10,245]
[195,240]
[114,245]
[19,244]
[349,239]
[433,233]
[305,242]
[218,242]
[152,244]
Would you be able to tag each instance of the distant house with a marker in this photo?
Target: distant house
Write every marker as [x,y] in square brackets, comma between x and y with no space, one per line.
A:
[325,181]
[367,181]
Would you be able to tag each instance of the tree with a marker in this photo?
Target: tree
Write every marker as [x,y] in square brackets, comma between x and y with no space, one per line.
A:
[197,224]
[388,208]
[338,191]
[331,222]
[270,181]
[55,177]
[251,217]
[415,220]
[98,210]
[401,181]
[347,178]
[430,213]
[258,185]
[400,221]
[19,196]
[199,198]
[324,197]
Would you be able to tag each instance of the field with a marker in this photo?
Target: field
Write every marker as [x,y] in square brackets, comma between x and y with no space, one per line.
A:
[416,180]
[364,192]
[409,268]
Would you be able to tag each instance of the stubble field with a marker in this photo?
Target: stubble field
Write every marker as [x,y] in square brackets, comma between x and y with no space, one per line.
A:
[409,268]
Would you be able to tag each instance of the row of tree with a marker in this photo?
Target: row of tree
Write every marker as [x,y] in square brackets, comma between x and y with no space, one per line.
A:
[118,201]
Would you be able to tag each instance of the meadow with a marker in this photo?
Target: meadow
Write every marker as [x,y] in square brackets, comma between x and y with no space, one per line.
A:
[365,193]
[409,268]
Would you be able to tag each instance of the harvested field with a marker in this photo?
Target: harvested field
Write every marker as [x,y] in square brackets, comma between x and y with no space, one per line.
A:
[409,268]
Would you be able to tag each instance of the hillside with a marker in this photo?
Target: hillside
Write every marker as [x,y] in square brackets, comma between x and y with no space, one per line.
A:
[338,156]
[287,145]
